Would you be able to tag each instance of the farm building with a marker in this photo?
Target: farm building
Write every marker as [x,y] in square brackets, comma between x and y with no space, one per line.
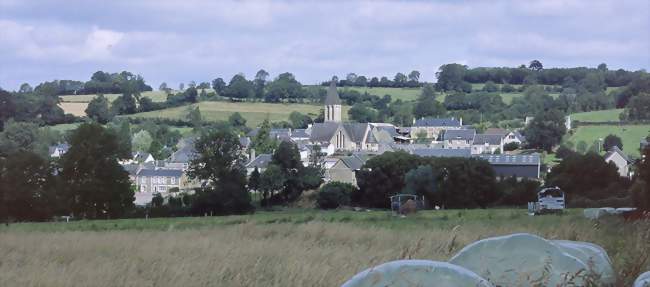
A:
[520,166]
[620,160]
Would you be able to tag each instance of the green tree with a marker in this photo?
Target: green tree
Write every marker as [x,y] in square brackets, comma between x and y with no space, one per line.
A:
[490,87]
[239,88]
[236,120]
[262,142]
[334,194]
[638,108]
[421,181]
[382,177]
[272,180]
[285,86]
[260,82]
[546,130]
[535,65]
[96,185]
[299,121]
[254,180]
[219,85]
[611,141]
[362,113]
[141,141]
[451,77]
[23,136]
[220,164]
[98,110]
[427,105]
[28,187]
[194,116]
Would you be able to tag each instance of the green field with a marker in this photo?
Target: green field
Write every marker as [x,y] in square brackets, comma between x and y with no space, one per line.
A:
[254,113]
[598,116]
[294,247]
[630,134]
[156,96]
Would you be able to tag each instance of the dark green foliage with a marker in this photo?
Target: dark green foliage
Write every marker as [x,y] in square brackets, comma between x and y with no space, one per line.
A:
[451,78]
[564,152]
[421,181]
[535,65]
[382,177]
[587,176]
[98,110]
[219,85]
[516,192]
[27,188]
[638,108]
[427,105]
[157,200]
[299,121]
[284,87]
[511,146]
[236,120]
[639,85]
[106,83]
[262,142]
[219,162]
[239,88]
[546,130]
[612,141]
[335,194]
[96,186]
[362,114]
[7,107]
[22,136]
[124,105]
[272,180]
[254,180]
[643,181]
[490,87]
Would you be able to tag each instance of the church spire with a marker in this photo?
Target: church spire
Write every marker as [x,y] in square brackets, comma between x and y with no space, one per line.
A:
[332,104]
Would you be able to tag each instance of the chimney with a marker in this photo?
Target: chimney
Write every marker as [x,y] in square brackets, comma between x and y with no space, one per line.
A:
[252,154]
[461,121]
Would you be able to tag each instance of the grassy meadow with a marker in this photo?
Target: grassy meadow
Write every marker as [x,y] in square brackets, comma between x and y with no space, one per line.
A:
[631,135]
[598,116]
[254,113]
[286,248]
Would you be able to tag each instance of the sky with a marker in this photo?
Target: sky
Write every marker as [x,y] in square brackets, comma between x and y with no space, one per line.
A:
[176,41]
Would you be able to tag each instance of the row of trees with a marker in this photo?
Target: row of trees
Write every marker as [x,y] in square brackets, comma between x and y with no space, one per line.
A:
[400,80]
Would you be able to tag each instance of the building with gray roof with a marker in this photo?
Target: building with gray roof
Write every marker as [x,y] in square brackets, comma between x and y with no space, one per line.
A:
[159,180]
[441,152]
[519,166]
[261,162]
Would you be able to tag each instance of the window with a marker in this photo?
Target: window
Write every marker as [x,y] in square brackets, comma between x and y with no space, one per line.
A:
[143,180]
[162,188]
[173,180]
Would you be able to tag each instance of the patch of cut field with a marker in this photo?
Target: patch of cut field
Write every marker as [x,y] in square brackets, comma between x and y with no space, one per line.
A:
[631,135]
[598,116]
[76,108]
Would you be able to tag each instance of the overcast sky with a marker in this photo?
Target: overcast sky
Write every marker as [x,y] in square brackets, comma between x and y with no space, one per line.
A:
[178,41]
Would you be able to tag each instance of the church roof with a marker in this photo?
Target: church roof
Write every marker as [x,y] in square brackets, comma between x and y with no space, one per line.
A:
[323,132]
[332,97]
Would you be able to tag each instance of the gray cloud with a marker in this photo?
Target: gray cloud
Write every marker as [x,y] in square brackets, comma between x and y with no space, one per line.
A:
[179,41]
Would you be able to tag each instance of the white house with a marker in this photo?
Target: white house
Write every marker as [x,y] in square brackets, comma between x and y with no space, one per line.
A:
[458,139]
[486,143]
[58,150]
[622,162]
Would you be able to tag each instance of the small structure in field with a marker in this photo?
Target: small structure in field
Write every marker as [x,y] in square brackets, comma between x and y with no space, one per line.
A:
[549,200]
[406,203]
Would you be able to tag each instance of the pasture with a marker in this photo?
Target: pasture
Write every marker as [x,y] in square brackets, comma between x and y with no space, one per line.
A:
[282,248]
[156,96]
[630,135]
[598,116]
[254,113]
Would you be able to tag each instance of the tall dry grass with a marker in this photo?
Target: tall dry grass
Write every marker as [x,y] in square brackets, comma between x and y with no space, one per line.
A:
[279,254]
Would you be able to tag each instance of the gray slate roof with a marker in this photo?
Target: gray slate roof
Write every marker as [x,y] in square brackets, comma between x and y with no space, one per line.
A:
[132,169]
[323,132]
[261,161]
[436,122]
[614,150]
[140,156]
[299,133]
[496,131]
[332,97]
[492,139]
[183,155]
[161,172]
[504,159]
[356,131]
[244,141]
[460,134]
[439,152]
[353,162]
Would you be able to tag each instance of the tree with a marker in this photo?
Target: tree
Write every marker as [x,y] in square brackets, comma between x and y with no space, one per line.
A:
[490,87]
[254,181]
[236,120]
[361,81]
[535,65]
[612,141]
[421,181]
[262,142]
[638,108]
[299,121]
[163,87]
[581,147]
[96,185]
[194,116]
[285,86]
[7,107]
[383,176]
[399,80]
[451,77]
[219,85]
[25,88]
[28,187]
[334,194]
[427,105]
[181,87]
[362,113]
[271,181]
[141,141]
[24,136]
[124,105]
[414,76]
[374,82]
[239,88]
[287,158]
[546,130]
[220,164]
[98,110]
[146,104]
[260,83]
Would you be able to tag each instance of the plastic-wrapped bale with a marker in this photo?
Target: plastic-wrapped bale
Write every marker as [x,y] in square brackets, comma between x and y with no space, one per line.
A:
[594,256]
[643,280]
[408,273]
[521,260]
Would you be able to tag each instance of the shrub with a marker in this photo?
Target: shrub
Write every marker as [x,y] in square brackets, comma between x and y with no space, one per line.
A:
[334,194]
[511,146]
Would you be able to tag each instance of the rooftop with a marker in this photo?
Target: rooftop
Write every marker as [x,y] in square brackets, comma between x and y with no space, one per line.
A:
[491,139]
[504,159]
[460,134]
[437,122]
[160,172]
[332,97]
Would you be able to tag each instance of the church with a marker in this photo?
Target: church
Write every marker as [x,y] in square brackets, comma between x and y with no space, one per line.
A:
[347,136]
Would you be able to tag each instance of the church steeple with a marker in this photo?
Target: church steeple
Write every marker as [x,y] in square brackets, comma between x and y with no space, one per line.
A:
[332,104]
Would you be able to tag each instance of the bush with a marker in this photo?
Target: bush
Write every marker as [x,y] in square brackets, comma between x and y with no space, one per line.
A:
[511,146]
[334,194]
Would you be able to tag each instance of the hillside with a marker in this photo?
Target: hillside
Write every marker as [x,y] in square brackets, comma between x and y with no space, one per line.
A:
[629,134]
[254,113]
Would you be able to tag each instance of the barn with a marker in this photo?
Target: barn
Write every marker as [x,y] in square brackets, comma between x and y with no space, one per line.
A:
[520,166]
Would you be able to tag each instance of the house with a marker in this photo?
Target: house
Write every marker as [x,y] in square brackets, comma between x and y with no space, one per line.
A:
[58,150]
[433,127]
[620,160]
[300,134]
[519,166]
[277,134]
[138,157]
[487,143]
[514,137]
[181,158]
[458,139]
[260,162]
[133,170]
[345,169]
[160,180]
